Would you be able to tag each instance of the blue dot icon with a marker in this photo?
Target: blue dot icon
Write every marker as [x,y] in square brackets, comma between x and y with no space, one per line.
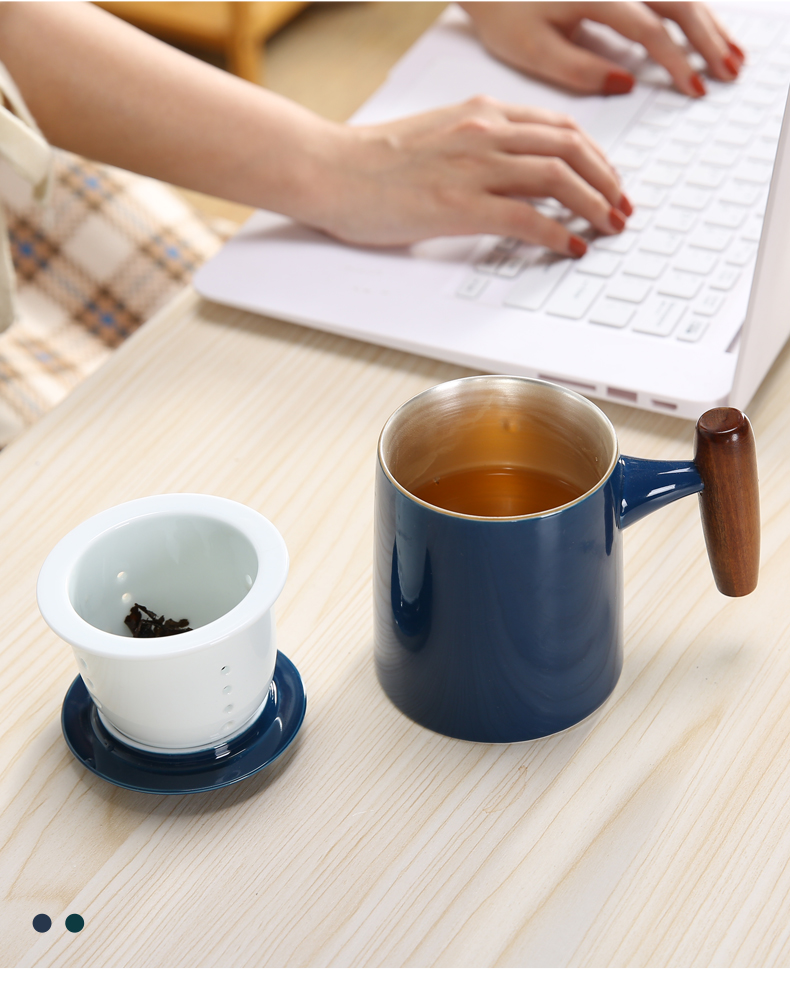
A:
[42,923]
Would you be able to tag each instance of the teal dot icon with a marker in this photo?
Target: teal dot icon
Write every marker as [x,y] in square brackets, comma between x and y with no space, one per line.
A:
[74,923]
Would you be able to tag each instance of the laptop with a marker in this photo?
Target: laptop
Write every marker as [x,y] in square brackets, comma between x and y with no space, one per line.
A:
[685,310]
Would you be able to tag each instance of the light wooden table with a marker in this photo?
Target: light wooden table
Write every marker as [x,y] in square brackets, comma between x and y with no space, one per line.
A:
[655,833]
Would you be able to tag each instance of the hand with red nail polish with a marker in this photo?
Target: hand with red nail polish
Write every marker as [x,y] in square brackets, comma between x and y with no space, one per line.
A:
[540,40]
[469,168]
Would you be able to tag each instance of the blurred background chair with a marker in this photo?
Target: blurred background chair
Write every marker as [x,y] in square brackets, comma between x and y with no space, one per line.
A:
[235,29]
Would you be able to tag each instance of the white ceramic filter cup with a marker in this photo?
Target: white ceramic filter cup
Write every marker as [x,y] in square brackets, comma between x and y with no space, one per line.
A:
[214,561]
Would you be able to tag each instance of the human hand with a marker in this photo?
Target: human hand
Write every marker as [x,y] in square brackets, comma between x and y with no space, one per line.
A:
[538,39]
[466,169]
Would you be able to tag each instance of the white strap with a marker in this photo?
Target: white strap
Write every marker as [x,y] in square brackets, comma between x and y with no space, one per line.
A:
[24,147]
[26,150]
[7,278]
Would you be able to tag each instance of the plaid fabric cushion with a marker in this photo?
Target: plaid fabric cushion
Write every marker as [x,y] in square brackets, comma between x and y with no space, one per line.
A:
[109,250]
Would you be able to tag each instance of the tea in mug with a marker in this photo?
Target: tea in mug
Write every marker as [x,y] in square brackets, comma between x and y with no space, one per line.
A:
[498,491]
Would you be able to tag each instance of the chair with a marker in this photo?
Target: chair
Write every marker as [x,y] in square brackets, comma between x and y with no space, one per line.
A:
[237,30]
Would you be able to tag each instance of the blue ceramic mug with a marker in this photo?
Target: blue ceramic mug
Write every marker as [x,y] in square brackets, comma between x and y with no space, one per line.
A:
[500,503]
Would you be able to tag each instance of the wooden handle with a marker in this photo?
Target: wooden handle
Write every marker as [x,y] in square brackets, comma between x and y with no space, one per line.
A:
[729,502]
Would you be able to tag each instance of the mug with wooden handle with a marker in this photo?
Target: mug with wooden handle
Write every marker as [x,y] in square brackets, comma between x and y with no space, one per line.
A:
[500,504]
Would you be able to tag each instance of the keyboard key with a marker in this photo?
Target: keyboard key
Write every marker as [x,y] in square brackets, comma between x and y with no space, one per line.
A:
[753,172]
[658,315]
[670,99]
[620,244]
[578,226]
[735,21]
[511,265]
[746,115]
[634,289]
[640,219]
[741,253]
[647,137]
[509,244]
[772,76]
[738,193]
[676,219]
[771,129]
[612,313]
[472,287]
[708,302]
[598,263]
[710,237]
[629,158]
[659,116]
[733,136]
[692,329]
[719,155]
[726,215]
[488,264]
[664,175]
[725,277]
[762,149]
[536,283]
[551,208]
[691,260]
[645,265]
[646,195]
[691,134]
[573,296]
[688,197]
[663,243]
[676,153]
[683,285]
[703,114]
[650,74]
[759,32]
[753,230]
[720,93]
[705,176]
[761,97]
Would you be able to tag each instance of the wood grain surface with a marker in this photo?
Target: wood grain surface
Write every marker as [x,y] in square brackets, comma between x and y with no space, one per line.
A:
[654,833]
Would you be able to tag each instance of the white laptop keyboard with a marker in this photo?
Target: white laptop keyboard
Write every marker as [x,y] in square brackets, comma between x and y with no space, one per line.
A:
[698,174]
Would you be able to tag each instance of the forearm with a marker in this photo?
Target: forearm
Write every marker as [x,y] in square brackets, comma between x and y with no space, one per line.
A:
[107,91]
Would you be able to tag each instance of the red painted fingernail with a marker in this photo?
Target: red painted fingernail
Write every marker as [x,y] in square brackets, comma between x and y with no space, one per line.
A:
[625,206]
[738,52]
[732,64]
[616,219]
[618,83]
[697,84]
[576,246]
